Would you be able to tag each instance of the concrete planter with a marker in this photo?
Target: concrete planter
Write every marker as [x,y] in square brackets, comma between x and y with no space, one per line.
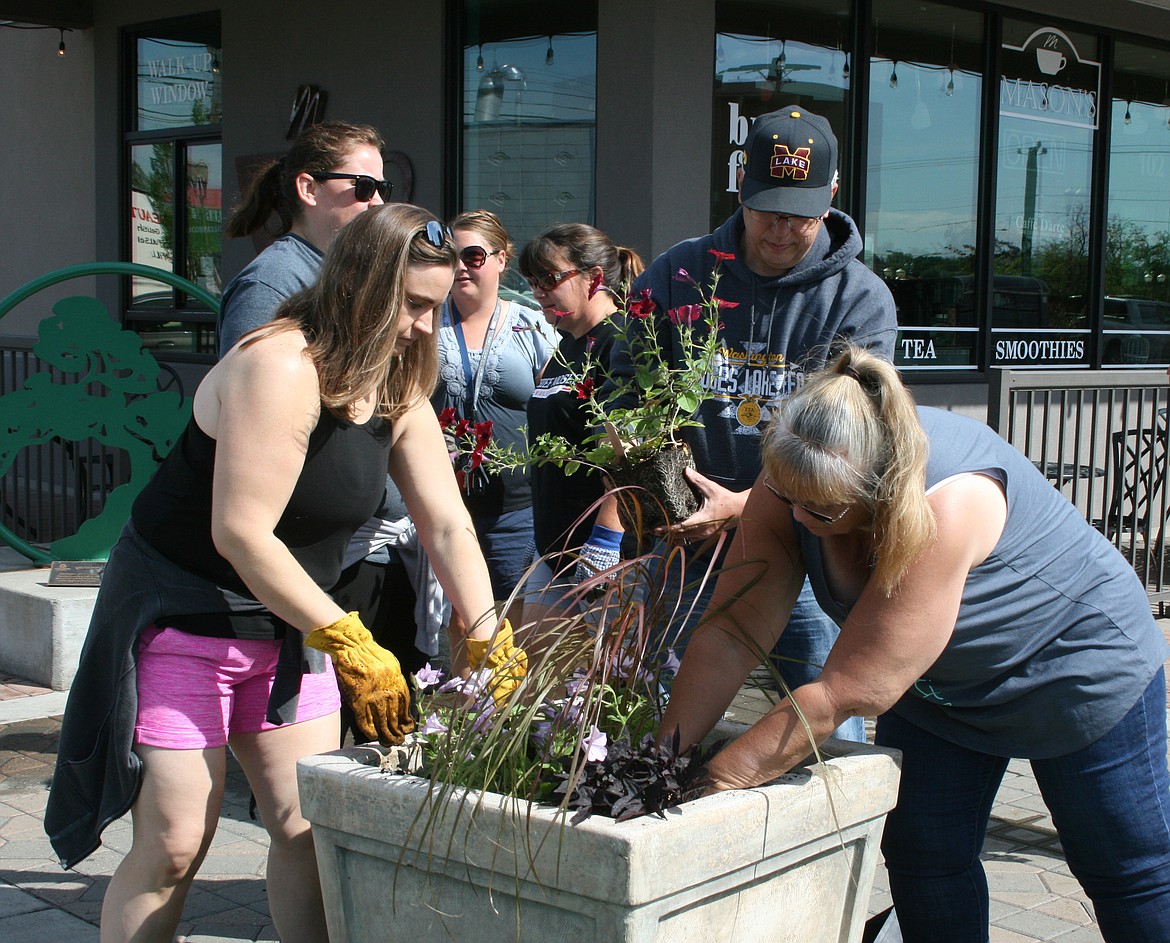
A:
[793,860]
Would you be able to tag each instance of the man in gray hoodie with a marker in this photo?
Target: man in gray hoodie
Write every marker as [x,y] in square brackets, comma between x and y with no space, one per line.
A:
[789,265]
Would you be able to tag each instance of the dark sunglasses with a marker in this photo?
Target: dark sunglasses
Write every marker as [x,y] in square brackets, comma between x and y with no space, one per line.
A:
[550,280]
[437,233]
[364,186]
[815,515]
[476,256]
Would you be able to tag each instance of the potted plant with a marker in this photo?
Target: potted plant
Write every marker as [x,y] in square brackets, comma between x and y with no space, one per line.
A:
[487,823]
[638,412]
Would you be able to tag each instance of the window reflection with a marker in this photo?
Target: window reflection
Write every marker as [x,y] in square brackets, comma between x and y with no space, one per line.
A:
[1136,315]
[922,177]
[529,113]
[1047,123]
[768,56]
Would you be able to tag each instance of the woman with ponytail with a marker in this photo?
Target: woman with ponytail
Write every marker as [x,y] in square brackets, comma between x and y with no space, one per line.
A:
[981,619]
[331,173]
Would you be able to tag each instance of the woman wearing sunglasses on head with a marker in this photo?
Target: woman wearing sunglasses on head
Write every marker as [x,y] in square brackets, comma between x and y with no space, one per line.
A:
[214,611]
[331,175]
[981,619]
[577,274]
[491,353]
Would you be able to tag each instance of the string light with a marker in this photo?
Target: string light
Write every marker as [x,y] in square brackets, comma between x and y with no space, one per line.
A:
[479,59]
[548,56]
[894,75]
[845,67]
[61,45]
[1128,116]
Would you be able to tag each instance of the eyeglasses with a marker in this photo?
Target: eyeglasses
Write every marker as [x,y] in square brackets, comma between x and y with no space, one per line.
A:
[364,186]
[815,515]
[796,224]
[550,280]
[437,233]
[476,256]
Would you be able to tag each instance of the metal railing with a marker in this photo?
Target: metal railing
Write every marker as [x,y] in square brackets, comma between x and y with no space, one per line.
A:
[1101,438]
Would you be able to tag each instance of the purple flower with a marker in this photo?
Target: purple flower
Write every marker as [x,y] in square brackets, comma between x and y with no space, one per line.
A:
[670,662]
[540,732]
[595,745]
[433,725]
[682,275]
[427,676]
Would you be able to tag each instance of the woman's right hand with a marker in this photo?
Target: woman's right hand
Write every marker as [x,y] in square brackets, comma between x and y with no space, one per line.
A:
[370,678]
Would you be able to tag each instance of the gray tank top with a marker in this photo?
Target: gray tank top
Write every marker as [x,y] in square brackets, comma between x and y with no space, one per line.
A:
[1054,641]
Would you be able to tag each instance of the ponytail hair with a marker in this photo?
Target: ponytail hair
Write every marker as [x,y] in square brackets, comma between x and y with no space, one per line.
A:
[851,435]
[320,148]
[585,247]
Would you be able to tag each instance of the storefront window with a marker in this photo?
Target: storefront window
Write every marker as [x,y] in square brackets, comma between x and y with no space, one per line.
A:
[175,174]
[1049,92]
[922,177]
[771,54]
[1136,315]
[529,112]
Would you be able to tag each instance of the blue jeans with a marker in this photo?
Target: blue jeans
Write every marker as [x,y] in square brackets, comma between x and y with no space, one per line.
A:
[1110,803]
[799,653]
[506,542]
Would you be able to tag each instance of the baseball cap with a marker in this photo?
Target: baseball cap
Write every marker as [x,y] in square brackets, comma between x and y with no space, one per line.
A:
[791,163]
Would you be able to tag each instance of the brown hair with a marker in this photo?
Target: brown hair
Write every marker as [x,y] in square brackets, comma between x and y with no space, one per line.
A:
[486,224]
[349,316]
[584,247]
[850,435]
[320,148]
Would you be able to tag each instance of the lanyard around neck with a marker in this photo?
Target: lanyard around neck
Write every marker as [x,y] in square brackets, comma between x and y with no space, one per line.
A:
[473,381]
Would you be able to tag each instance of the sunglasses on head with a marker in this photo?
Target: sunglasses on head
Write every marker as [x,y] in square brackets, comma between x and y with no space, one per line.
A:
[364,186]
[550,280]
[437,234]
[476,256]
[815,515]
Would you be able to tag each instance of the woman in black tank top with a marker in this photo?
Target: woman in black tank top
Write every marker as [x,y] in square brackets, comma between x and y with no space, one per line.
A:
[290,440]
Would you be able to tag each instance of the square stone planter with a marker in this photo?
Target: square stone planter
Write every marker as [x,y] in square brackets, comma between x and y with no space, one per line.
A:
[793,860]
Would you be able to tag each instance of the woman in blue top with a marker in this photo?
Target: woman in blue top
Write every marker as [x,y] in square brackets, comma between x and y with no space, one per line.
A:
[981,619]
[491,353]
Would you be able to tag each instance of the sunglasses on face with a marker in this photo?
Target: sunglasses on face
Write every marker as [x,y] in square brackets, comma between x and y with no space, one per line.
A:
[550,280]
[437,234]
[364,186]
[476,256]
[815,515]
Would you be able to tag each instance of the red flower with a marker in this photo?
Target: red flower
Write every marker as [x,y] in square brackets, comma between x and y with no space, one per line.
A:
[685,314]
[722,256]
[595,285]
[723,303]
[447,417]
[643,306]
[462,427]
[559,314]
[585,388]
[483,434]
[476,458]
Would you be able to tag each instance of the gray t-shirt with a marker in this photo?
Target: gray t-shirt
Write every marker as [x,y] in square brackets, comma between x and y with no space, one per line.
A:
[251,298]
[1054,640]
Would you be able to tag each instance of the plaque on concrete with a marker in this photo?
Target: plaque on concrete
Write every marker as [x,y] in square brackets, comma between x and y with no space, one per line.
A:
[76,572]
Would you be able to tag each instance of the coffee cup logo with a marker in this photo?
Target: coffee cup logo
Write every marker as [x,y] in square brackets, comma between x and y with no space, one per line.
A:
[1050,61]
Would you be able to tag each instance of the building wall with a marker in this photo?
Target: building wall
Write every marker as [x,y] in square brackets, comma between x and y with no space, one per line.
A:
[46,163]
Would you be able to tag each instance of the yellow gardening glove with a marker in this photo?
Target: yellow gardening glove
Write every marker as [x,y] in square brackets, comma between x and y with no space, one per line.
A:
[508,663]
[369,677]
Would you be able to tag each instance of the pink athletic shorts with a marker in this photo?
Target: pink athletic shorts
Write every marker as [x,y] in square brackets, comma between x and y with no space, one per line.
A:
[195,691]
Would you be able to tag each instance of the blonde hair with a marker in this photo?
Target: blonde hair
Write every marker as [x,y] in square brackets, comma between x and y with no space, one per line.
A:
[486,224]
[851,435]
[349,316]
